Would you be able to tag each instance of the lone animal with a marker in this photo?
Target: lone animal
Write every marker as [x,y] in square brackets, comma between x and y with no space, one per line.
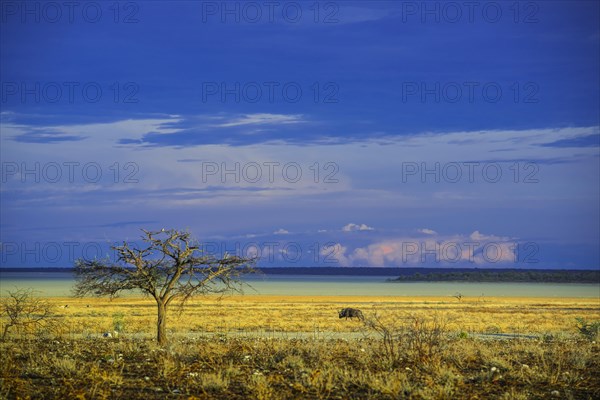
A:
[351,313]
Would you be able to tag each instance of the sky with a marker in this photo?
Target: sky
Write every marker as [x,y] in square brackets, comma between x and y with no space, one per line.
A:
[331,133]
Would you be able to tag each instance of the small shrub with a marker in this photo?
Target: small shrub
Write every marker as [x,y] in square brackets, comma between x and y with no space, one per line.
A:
[590,330]
[423,339]
[548,337]
[26,311]
[215,382]
[260,387]
[427,338]
[65,367]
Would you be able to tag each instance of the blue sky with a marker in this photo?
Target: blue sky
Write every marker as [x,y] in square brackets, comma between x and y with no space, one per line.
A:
[341,133]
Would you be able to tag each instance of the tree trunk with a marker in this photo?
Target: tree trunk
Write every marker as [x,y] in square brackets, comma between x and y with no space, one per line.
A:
[161,323]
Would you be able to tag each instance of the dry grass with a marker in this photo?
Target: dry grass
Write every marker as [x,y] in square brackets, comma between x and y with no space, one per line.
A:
[92,316]
[267,347]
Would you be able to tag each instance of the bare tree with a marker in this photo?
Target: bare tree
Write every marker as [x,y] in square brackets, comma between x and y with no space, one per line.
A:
[25,310]
[170,266]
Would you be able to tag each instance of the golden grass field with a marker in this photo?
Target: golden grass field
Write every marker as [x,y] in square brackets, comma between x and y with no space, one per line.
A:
[249,346]
[319,313]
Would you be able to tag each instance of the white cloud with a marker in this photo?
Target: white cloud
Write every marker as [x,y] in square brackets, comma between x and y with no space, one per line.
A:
[428,231]
[475,249]
[281,231]
[335,252]
[263,119]
[252,251]
[355,227]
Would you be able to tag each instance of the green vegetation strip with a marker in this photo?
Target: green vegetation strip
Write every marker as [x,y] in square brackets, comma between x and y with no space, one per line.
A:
[528,276]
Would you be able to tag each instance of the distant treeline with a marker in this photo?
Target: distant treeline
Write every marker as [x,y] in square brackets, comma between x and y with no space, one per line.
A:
[510,275]
[417,274]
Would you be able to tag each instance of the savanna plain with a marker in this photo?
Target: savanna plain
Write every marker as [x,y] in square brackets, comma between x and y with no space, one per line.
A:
[284,347]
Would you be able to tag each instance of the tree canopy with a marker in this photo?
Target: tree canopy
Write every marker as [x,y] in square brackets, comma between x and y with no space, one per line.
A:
[170,265]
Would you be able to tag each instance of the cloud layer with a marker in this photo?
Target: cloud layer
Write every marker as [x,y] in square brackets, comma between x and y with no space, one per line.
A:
[475,249]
